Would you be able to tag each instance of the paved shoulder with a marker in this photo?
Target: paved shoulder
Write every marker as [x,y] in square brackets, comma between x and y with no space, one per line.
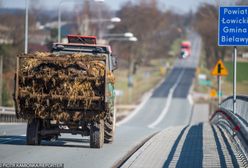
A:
[200,113]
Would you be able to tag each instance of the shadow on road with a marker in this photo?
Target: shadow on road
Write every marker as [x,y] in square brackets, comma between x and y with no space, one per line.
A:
[13,140]
[220,151]
[164,89]
[192,151]
[173,150]
[185,83]
[192,148]
[61,142]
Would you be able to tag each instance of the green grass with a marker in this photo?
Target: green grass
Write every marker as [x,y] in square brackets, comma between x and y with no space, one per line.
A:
[202,69]
[242,71]
[242,78]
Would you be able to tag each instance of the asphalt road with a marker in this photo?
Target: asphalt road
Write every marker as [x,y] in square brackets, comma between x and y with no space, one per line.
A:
[167,106]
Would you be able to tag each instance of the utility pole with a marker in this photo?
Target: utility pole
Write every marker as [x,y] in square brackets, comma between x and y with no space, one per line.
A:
[99,9]
[26,28]
[1,80]
[59,22]
[99,23]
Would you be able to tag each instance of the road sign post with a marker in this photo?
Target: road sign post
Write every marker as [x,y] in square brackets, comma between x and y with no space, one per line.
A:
[233,31]
[219,90]
[219,70]
[234,79]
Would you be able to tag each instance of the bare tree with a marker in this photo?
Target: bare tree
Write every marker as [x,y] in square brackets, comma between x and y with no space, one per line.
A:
[155,30]
[87,12]
[206,23]
[242,2]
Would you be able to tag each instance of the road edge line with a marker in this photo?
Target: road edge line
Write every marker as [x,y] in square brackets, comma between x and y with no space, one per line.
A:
[144,99]
[168,102]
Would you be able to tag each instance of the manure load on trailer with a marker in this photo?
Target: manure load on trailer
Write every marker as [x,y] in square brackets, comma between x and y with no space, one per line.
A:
[68,91]
[52,86]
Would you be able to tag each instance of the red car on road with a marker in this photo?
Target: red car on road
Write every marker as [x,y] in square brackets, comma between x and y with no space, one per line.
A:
[185,49]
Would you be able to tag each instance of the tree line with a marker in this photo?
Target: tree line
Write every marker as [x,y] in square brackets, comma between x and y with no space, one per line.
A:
[155,29]
[206,24]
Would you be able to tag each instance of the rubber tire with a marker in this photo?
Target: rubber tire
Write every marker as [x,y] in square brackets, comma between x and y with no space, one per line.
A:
[97,134]
[32,134]
[109,130]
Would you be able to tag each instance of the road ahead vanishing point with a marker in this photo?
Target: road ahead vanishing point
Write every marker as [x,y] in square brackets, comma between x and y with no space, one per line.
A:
[157,134]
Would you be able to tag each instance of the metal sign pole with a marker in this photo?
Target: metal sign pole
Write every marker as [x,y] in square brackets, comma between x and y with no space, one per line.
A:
[234,78]
[219,90]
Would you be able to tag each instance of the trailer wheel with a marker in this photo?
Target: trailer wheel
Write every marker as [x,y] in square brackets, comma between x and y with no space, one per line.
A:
[109,130]
[97,134]
[32,135]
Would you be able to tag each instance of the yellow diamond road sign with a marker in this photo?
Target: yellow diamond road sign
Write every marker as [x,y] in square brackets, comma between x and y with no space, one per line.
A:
[219,69]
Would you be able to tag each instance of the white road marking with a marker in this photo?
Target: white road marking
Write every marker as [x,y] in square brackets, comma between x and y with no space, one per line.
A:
[144,101]
[190,99]
[133,113]
[168,102]
[7,124]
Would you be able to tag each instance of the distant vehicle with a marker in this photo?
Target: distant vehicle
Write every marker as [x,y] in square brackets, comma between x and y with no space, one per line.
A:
[185,49]
[70,90]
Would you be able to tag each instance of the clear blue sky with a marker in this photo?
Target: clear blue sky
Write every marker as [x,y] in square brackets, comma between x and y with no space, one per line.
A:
[178,5]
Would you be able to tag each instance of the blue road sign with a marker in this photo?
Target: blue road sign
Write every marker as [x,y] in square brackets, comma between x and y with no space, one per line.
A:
[233,26]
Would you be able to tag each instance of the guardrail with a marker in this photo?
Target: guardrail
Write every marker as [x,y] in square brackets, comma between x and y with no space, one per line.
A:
[7,114]
[7,110]
[242,106]
[236,125]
